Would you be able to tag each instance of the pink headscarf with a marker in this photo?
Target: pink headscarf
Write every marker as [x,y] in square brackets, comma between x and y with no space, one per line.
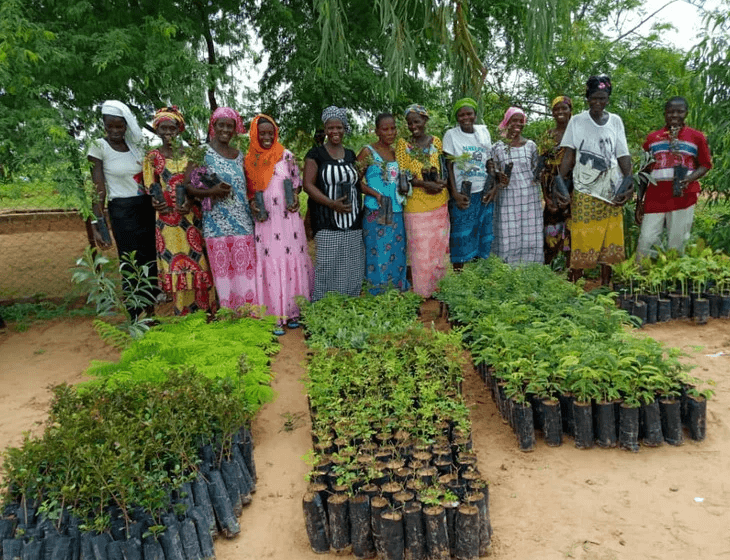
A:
[512,111]
[225,113]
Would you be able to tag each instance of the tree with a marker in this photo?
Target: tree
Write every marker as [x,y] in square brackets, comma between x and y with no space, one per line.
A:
[369,56]
[60,58]
[710,103]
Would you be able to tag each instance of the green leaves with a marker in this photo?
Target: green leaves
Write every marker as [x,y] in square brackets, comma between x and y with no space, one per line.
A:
[343,322]
[545,337]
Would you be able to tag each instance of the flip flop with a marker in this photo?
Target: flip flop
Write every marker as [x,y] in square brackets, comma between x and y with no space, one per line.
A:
[293,324]
[279,331]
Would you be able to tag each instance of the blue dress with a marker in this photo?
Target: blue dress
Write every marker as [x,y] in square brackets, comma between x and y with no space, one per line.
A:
[385,244]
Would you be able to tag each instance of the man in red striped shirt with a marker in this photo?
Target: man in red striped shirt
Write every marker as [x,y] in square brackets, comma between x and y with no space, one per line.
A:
[681,157]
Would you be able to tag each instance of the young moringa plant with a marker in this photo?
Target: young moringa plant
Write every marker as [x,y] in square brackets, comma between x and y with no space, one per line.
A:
[114,295]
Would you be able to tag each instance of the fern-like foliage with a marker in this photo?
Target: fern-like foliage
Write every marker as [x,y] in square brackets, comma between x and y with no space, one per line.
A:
[111,335]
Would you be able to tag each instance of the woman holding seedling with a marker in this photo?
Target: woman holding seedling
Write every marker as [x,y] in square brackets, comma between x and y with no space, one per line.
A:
[283,266]
[597,152]
[331,181]
[383,228]
[117,175]
[555,217]
[227,222]
[426,212]
[518,234]
[468,147]
[183,267]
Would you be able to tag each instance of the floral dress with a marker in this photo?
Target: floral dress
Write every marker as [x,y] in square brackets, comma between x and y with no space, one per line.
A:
[426,219]
[385,243]
[228,232]
[283,267]
[182,265]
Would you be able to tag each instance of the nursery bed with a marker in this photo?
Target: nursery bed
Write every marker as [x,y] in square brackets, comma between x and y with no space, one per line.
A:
[549,504]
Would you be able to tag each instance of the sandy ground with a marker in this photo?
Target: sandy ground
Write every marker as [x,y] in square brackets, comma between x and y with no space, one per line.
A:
[553,503]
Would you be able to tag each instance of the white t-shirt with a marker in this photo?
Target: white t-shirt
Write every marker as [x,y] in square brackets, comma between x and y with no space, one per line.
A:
[119,170]
[479,144]
[597,149]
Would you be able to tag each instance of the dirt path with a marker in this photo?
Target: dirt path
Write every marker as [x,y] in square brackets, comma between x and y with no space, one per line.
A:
[554,503]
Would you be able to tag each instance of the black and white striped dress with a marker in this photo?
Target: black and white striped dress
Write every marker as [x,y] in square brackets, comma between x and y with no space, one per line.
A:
[340,265]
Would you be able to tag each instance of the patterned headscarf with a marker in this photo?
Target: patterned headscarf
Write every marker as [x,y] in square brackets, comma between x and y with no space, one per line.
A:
[511,112]
[225,113]
[133,135]
[337,113]
[598,83]
[259,162]
[562,99]
[416,108]
[171,114]
[465,102]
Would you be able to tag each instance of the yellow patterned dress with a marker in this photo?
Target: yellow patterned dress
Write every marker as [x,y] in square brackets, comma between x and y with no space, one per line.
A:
[183,268]
[426,219]
[595,224]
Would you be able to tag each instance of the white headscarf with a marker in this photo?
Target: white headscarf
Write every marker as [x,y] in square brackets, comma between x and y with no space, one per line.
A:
[133,136]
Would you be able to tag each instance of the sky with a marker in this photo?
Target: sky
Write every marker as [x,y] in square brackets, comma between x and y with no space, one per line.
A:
[686,17]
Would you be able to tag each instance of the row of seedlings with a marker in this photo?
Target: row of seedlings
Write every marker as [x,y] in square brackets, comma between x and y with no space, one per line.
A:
[561,361]
[695,286]
[393,469]
[138,463]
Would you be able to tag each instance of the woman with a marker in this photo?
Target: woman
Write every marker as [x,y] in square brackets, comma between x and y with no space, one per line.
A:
[227,223]
[181,261]
[117,175]
[555,217]
[469,146]
[518,213]
[383,229]
[330,180]
[426,214]
[597,152]
[283,265]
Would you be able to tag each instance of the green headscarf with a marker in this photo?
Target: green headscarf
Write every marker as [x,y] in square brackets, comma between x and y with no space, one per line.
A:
[465,102]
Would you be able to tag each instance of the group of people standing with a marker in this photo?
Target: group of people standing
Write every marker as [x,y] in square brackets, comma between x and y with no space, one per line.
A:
[231,224]
[225,225]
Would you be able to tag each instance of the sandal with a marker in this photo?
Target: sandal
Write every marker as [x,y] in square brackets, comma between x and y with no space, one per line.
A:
[293,323]
[279,330]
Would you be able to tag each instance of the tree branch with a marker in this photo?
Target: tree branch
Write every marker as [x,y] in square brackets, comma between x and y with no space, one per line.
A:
[642,22]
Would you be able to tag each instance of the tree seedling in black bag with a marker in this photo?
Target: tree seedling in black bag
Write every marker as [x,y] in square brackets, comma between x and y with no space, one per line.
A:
[508,170]
[444,168]
[103,229]
[403,185]
[343,190]
[180,195]
[489,185]
[210,180]
[385,216]
[624,187]
[289,192]
[434,174]
[262,214]
[539,167]
[560,190]
[680,172]
[156,192]
[466,188]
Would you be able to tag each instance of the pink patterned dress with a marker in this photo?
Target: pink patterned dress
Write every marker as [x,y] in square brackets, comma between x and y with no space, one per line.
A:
[283,266]
[228,232]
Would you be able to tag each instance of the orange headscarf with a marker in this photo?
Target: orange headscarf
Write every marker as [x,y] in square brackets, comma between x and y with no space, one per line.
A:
[259,163]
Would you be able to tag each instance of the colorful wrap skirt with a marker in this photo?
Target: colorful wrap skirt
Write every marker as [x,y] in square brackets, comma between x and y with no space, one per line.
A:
[472,230]
[385,252]
[596,232]
[233,263]
[427,235]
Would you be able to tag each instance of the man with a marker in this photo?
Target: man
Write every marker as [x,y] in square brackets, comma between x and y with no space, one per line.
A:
[677,150]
